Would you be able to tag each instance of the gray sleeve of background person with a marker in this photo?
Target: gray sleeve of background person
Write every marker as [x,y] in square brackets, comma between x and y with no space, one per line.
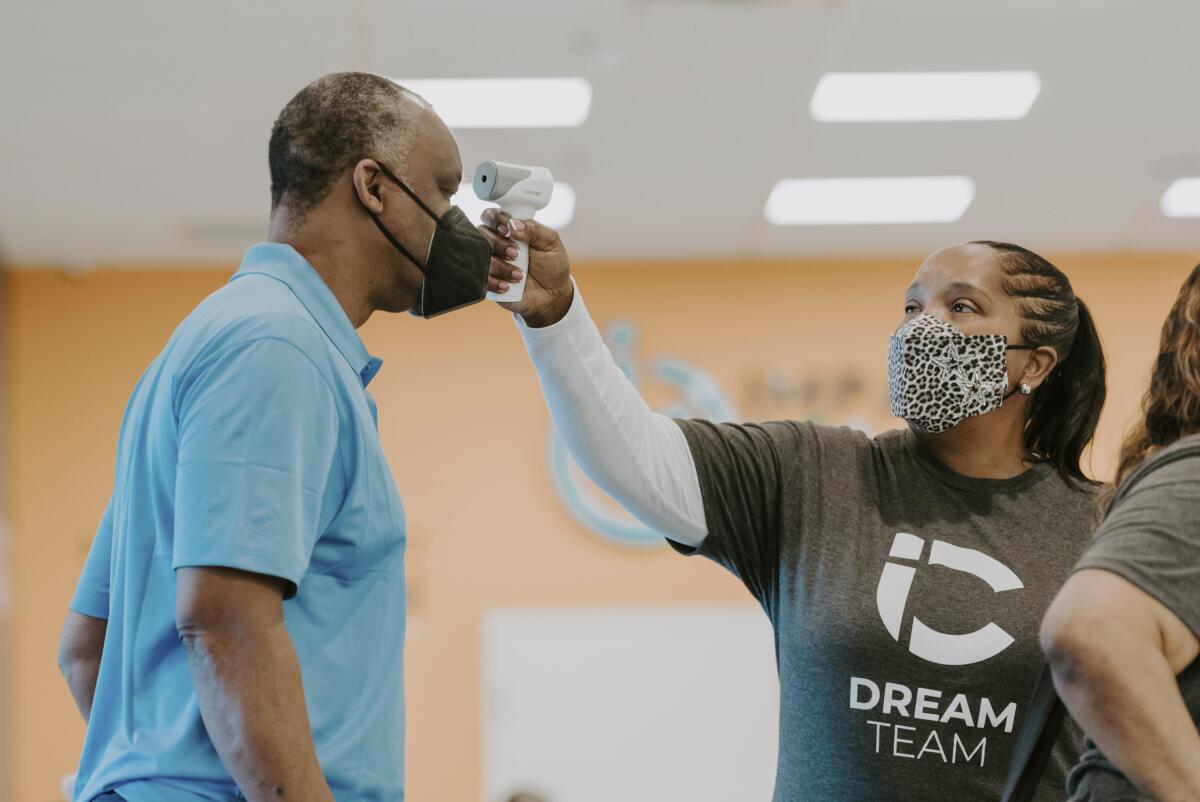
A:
[1152,539]
[637,456]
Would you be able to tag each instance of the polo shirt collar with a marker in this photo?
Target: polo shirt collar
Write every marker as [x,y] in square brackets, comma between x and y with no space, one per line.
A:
[284,263]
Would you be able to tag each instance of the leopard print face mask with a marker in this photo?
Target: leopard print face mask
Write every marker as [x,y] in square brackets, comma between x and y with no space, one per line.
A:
[938,376]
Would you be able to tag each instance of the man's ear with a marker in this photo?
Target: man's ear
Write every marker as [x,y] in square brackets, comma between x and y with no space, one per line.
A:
[367,181]
[1042,362]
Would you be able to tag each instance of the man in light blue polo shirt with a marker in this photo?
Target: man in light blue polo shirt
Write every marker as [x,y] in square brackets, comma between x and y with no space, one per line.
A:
[238,629]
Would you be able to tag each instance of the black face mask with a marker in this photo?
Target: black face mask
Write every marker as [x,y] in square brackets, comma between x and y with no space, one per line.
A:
[460,258]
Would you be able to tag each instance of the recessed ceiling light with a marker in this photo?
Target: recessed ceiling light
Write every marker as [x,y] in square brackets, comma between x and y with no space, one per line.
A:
[869,201]
[914,96]
[506,102]
[1182,199]
[557,214]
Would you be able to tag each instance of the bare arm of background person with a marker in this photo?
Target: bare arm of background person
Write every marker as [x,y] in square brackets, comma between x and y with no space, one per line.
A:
[637,456]
[247,681]
[1115,652]
[79,650]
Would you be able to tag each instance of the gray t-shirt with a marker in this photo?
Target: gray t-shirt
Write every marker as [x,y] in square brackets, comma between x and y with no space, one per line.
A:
[906,601]
[1151,538]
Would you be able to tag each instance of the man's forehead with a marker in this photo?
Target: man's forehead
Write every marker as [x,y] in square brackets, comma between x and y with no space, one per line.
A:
[435,148]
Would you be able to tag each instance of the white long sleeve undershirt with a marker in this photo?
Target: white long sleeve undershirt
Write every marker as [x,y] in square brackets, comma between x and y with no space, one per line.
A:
[637,456]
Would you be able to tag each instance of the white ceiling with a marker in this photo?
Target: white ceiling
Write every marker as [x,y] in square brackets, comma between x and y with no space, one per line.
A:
[135,132]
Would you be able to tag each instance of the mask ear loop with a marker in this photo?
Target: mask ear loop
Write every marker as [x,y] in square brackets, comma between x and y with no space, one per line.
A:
[395,242]
[408,192]
[387,234]
[392,239]
[1023,388]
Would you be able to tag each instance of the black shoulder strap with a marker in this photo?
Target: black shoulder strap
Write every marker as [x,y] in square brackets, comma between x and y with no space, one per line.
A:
[1045,713]
[1043,721]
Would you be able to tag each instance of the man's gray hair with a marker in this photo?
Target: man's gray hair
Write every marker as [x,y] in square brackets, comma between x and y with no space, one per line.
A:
[329,126]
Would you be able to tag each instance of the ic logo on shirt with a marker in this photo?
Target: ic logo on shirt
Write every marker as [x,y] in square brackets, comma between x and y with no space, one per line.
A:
[938,647]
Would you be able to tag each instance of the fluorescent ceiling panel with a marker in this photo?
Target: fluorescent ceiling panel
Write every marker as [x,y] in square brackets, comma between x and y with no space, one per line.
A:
[869,201]
[927,96]
[1182,199]
[506,102]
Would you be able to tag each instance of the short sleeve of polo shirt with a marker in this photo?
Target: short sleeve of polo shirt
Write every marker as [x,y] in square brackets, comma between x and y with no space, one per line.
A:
[91,592]
[258,432]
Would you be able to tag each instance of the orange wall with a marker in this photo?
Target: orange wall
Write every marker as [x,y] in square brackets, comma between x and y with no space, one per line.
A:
[464,426]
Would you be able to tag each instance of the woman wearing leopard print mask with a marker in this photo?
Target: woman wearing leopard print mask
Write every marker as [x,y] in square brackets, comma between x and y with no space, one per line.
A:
[906,574]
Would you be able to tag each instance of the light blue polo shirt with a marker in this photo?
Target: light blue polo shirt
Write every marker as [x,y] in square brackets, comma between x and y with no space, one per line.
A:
[251,443]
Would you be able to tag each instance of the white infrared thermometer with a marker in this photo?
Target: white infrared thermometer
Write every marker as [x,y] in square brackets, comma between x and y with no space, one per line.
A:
[520,192]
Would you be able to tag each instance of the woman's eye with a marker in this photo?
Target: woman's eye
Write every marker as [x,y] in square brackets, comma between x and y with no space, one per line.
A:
[910,309]
[960,307]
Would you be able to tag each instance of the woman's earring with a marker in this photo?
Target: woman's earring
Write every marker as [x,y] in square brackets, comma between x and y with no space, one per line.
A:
[1025,389]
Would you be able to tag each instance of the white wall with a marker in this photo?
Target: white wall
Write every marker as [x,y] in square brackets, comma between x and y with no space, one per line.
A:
[630,704]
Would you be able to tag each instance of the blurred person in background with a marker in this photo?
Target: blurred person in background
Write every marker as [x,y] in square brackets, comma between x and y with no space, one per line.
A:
[527,796]
[1123,635]
[238,629]
[905,575]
